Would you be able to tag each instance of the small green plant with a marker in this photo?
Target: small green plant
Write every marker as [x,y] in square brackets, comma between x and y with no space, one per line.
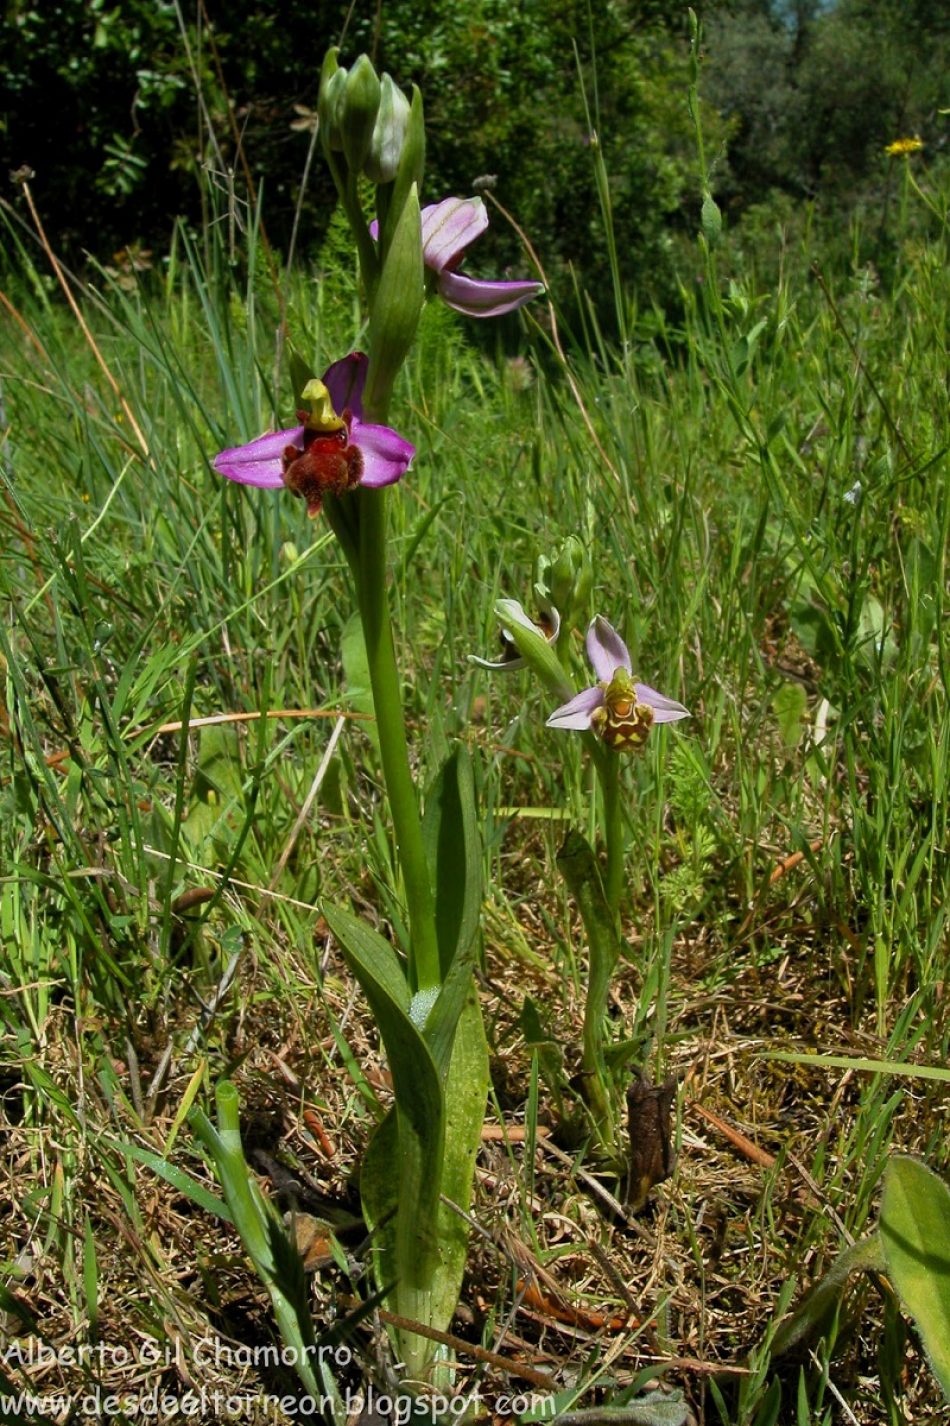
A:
[911,1247]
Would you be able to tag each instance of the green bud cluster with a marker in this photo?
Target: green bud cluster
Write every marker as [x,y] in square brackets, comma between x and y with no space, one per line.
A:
[370,130]
[367,118]
[566,580]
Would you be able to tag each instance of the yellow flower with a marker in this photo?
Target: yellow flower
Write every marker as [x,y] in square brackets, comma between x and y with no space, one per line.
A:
[901,147]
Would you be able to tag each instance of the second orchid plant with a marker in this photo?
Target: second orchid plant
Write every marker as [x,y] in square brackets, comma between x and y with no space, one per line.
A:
[615,714]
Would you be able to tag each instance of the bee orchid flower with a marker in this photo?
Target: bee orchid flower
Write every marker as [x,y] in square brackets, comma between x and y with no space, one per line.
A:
[448,229]
[616,708]
[333,450]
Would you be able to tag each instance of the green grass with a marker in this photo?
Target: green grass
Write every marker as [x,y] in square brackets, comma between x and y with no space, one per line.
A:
[766,504]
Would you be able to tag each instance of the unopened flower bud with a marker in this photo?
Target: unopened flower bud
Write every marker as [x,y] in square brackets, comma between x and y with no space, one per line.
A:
[330,103]
[570,579]
[533,646]
[409,169]
[361,95]
[389,133]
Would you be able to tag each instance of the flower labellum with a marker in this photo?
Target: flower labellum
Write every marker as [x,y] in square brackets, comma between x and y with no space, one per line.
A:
[618,709]
[332,451]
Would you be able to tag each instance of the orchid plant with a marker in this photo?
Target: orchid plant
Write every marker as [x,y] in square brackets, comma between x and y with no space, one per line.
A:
[340,457]
[615,714]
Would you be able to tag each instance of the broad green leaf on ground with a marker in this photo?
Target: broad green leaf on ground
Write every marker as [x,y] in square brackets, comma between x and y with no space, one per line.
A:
[385,1195]
[915,1232]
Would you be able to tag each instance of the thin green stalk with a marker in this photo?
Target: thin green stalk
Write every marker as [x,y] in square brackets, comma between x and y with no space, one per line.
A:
[424,971]
[608,770]
[578,866]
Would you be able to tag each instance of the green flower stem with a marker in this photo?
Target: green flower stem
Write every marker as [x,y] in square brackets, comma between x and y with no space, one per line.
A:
[608,770]
[348,189]
[424,971]
[578,866]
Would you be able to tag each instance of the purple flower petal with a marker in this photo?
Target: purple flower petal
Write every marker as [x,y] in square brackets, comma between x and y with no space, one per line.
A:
[606,649]
[259,462]
[665,710]
[448,228]
[476,298]
[576,713]
[345,380]
[386,455]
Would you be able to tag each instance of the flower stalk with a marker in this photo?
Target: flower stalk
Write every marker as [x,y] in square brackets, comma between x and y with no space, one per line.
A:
[608,773]
[372,593]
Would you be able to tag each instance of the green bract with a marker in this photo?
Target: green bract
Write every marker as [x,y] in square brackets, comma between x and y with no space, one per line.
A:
[361,94]
[332,81]
[400,295]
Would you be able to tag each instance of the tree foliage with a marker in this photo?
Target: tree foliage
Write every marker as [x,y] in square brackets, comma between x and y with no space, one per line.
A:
[131,115]
[814,92]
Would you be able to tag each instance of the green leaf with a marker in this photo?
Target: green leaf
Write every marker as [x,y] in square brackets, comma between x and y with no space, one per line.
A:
[915,1233]
[415,1157]
[711,219]
[419,531]
[266,1242]
[181,1181]
[396,307]
[876,642]
[768,1412]
[219,762]
[864,1066]
[539,1040]
[814,1315]
[454,853]
[818,631]
[431,1299]
[578,867]
[789,704]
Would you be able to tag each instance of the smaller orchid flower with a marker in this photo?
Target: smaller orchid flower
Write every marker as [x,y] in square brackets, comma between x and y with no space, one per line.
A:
[448,228]
[332,451]
[617,709]
[548,623]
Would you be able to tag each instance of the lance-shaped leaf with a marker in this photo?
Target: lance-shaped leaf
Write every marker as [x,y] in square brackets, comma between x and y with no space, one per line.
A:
[578,866]
[915,1233]
[416,1161]
[431,1298]
[453,849]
